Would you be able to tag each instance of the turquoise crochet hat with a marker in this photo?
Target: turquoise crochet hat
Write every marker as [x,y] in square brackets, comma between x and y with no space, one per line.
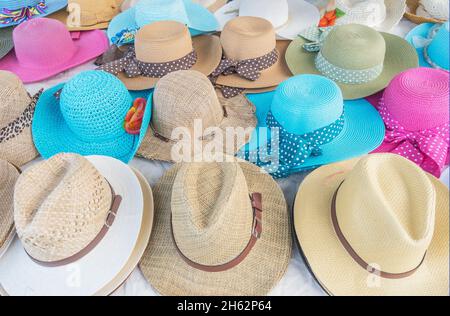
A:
[313,125]
[86,116]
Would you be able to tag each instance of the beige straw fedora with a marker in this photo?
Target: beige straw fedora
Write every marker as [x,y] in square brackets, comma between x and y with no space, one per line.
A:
[220,229]
[413,15]
[163,47]
[378,225]
[16,115]
[359,59]
[180,100]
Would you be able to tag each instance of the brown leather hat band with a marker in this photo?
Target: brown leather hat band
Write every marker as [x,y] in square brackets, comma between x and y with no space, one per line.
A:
[256,200]
[353,253]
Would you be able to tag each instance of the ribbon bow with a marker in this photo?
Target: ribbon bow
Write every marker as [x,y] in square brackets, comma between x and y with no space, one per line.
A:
[246,69]
[316,36]
[20,15]
[127,64]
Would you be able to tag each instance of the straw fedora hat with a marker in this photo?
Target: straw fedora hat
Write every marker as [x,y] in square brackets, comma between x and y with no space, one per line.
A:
[359,59]
[163,47]
[6,41]
[220,229]
[94,205]
[16,115]
[378,225]
[429,11]
[179,100]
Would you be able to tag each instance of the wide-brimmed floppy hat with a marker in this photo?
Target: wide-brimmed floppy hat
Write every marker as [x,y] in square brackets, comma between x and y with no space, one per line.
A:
[189,117]
[6,41]
[44,48]
[359,59]
[220,229]
[88,116]
[427,11]
[161,48]
[75,211]
[308,124]
[143,12]
[16,115]
[431,42]
[378,225]
[8,178]
[415,110]
[252,57]
[288,17]
[85,15]
[13,12]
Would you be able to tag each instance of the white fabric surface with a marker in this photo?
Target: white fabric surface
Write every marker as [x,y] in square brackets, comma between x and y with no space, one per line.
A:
[297,282]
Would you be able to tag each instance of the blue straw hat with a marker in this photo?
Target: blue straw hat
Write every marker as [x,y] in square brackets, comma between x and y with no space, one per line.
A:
[195,16]
[432,44]
[314,126]
[87,118]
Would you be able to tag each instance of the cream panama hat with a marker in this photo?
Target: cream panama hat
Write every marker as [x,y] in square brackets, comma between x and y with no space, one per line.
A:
[378,225]
[220,229]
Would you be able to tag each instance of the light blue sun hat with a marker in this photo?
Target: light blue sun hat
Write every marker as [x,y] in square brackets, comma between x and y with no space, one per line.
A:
[431,42]
[86,116]
[195,16]
[306,123]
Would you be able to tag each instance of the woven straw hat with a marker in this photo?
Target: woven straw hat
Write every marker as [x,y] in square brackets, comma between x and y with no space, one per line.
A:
[359,59]
[205,222]
[6,41]
[182,97]
[16,114]
[390,231]
[418,14]
[8,178]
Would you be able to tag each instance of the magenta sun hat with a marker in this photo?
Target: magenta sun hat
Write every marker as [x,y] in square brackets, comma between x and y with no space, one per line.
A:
[415,110]
[44,48]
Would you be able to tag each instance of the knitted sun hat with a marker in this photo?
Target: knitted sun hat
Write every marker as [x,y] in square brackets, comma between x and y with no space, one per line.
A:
[44,48]
[16,114]
[415,109]
[183,99]
[310,125]
[14,12]
[72,210]
[86,115]
[427,11]
[161,48]
[359,59]
[375,226]
[220,229]
[6,41]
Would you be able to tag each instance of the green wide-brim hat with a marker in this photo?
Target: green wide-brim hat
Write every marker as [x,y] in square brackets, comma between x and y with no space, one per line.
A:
[6,41]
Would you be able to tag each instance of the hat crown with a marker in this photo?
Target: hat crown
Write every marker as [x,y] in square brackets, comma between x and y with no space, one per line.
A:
[182,97]
[60,206]
[41,43]
[247,37]
[438,50]
[148,11]
[212,214]
[163,41]
[438,9]
[15,4]
[94,105]
[367,12]
[419,98]
[14,97]
[386,211]
[276,12]
[305,103]
[354,47]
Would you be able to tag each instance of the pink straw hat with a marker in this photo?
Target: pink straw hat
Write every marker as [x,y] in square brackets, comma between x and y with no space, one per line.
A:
[44,48]
[415,110]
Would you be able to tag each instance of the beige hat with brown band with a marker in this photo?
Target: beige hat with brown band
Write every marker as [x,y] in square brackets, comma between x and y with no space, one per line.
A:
[185,98]
[378,225]
[16,115]
[220,229]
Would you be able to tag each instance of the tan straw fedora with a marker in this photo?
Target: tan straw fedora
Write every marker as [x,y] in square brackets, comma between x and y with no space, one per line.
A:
[184,99]
[378,225]
[220,229]
[163,47]
[16,115]
[416,12]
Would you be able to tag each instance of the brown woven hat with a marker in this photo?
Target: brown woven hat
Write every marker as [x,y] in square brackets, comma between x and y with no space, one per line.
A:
[16,114]
[181,98]
[411,13]
[220,229]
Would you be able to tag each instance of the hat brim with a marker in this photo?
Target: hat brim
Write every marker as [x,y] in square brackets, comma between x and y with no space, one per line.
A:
[209,54]
[400,56]
[90,45]
[420,31]
[20,275]
[257,274]
[335,269]
[270,77]
[410,14]
[240,113]
[217,5]
[6,42]
[63,16]
[52,135]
